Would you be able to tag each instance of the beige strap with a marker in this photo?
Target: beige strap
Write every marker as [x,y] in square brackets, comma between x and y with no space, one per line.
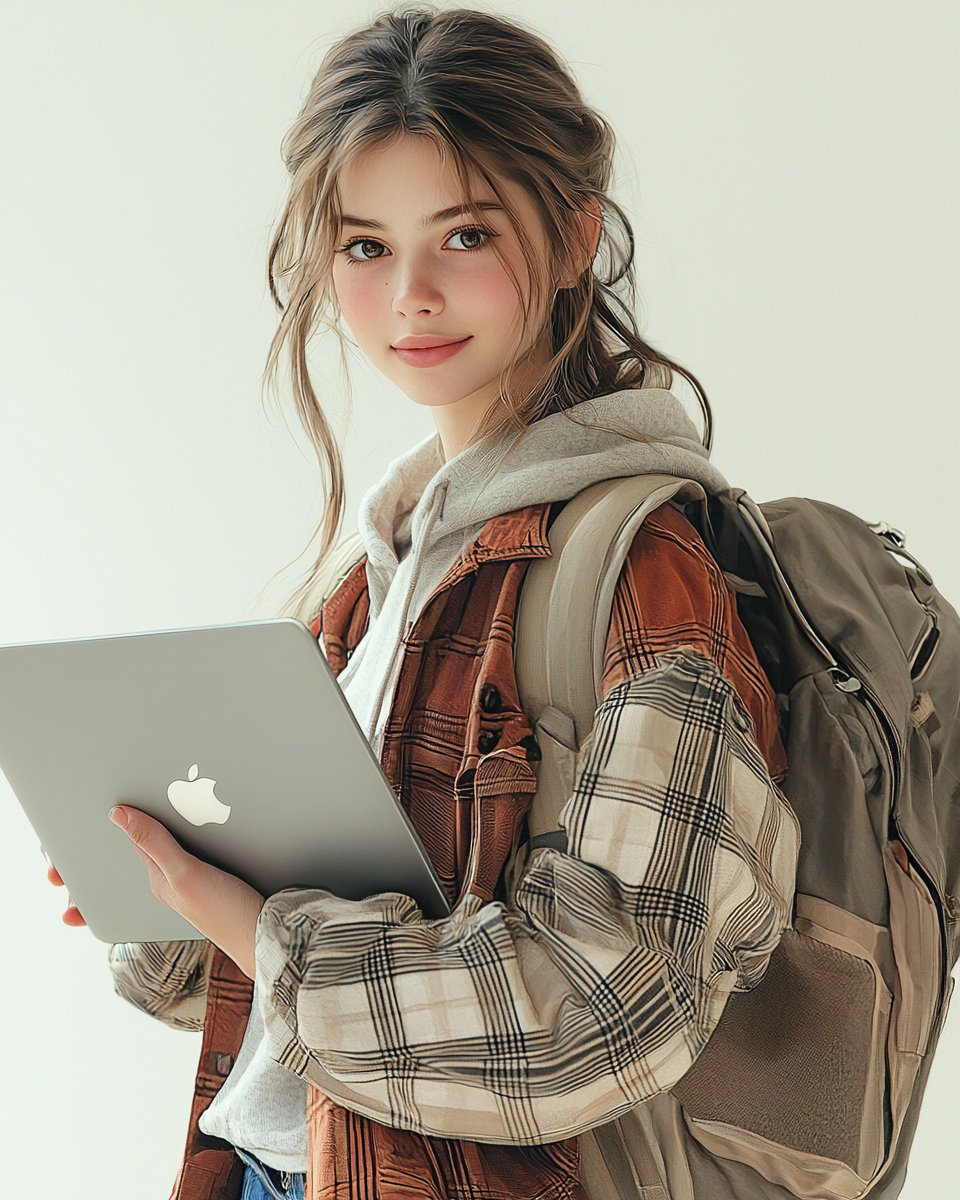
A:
[563,620]
[562,626]
[565,605]
[616,1165]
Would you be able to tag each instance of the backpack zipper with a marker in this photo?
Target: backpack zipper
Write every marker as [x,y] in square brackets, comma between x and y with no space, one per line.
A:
[894,754]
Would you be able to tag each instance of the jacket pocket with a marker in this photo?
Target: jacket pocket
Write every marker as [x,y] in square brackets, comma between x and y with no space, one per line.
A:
[793,1080]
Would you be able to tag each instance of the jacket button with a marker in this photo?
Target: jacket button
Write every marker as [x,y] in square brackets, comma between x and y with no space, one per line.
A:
[222,1063]
[487,740]
[532,747]
[490,698]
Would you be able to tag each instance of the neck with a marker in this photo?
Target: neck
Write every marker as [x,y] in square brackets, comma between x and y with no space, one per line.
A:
[457,423]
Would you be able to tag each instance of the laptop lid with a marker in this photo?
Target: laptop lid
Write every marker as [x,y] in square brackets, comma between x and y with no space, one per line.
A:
[237,738]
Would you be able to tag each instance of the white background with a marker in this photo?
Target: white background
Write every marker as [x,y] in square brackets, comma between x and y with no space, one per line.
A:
[791,168]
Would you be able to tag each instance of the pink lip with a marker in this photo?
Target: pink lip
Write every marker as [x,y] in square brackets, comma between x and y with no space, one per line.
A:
[426,351]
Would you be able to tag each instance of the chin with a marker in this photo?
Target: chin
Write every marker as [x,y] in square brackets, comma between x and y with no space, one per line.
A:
[432,401]
[439,396]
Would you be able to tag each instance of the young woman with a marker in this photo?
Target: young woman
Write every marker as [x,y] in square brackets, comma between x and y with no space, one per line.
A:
[448,204]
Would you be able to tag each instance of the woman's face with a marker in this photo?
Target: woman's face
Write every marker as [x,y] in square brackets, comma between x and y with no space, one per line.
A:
[418,282]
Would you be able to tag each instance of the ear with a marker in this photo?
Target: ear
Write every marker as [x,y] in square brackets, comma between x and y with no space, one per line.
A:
[587,226]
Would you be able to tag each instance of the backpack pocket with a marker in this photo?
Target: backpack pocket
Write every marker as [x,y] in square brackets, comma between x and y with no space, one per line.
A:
[793,1080]
[915,930]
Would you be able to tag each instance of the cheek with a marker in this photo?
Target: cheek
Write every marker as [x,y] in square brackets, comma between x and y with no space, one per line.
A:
[488,299]
[361,302]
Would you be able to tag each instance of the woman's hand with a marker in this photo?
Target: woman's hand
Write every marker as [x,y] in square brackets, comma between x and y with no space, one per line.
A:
[221,906]
[72,914]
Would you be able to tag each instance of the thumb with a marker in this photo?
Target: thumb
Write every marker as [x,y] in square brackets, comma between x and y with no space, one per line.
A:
[155,845]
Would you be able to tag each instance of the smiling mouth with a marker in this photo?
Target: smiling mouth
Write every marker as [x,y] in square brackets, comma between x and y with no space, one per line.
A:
[428,356]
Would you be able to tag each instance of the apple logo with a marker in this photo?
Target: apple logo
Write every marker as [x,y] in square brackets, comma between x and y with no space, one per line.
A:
[194,799]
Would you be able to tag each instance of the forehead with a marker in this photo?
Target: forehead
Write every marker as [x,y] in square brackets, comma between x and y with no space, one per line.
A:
[408,180]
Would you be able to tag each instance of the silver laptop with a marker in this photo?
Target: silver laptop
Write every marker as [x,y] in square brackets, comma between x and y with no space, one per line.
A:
[236,737]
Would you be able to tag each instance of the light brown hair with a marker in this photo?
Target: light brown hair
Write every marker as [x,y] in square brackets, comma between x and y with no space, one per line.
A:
[498,104]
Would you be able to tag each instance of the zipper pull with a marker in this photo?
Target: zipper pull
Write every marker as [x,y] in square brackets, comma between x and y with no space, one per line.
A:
[843,681]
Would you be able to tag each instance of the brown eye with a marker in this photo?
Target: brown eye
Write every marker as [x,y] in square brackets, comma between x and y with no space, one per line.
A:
[366,249]
[470,239]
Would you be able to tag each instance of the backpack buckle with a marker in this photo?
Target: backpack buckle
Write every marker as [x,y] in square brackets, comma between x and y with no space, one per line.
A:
[894,536]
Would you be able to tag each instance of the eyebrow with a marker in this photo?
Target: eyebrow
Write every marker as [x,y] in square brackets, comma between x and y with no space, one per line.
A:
[445,214]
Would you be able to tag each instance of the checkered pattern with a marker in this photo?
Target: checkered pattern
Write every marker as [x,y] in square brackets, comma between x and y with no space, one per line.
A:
[166,980]
[599,988]
[603,981]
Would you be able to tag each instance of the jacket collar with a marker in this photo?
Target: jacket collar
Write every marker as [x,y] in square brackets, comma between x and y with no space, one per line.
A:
[514,535]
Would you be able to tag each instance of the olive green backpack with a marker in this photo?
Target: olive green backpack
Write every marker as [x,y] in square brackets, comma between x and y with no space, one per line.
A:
[811,1084]
[813,1079]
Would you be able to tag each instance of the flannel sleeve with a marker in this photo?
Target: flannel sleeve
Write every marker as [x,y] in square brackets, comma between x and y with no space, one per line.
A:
[599,986]
[166,980]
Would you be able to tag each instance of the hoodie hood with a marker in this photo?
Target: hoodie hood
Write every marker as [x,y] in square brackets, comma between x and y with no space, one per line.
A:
[429,507]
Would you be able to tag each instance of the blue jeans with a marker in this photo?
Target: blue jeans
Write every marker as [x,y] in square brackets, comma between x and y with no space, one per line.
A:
[257,1184]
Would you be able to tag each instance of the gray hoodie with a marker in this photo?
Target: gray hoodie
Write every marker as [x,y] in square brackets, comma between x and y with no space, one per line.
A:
[424,512]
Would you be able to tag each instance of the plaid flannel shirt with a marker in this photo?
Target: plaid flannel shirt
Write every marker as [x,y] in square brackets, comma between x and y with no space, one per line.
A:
[600,985]
[597,986]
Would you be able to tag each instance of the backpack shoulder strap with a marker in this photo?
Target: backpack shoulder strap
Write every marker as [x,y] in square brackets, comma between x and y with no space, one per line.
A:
[563,620]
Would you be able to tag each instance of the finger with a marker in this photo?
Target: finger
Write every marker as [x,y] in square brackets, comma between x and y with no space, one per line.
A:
[72,915]
[159,884]
[52,873]
[168,865]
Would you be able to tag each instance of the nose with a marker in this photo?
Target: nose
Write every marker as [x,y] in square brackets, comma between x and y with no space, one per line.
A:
[416,292]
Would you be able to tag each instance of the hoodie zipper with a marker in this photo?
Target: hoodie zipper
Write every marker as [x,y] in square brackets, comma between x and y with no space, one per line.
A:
[417,550]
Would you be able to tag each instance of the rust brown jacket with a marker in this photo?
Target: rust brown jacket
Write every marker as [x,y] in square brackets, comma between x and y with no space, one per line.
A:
[458,661]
